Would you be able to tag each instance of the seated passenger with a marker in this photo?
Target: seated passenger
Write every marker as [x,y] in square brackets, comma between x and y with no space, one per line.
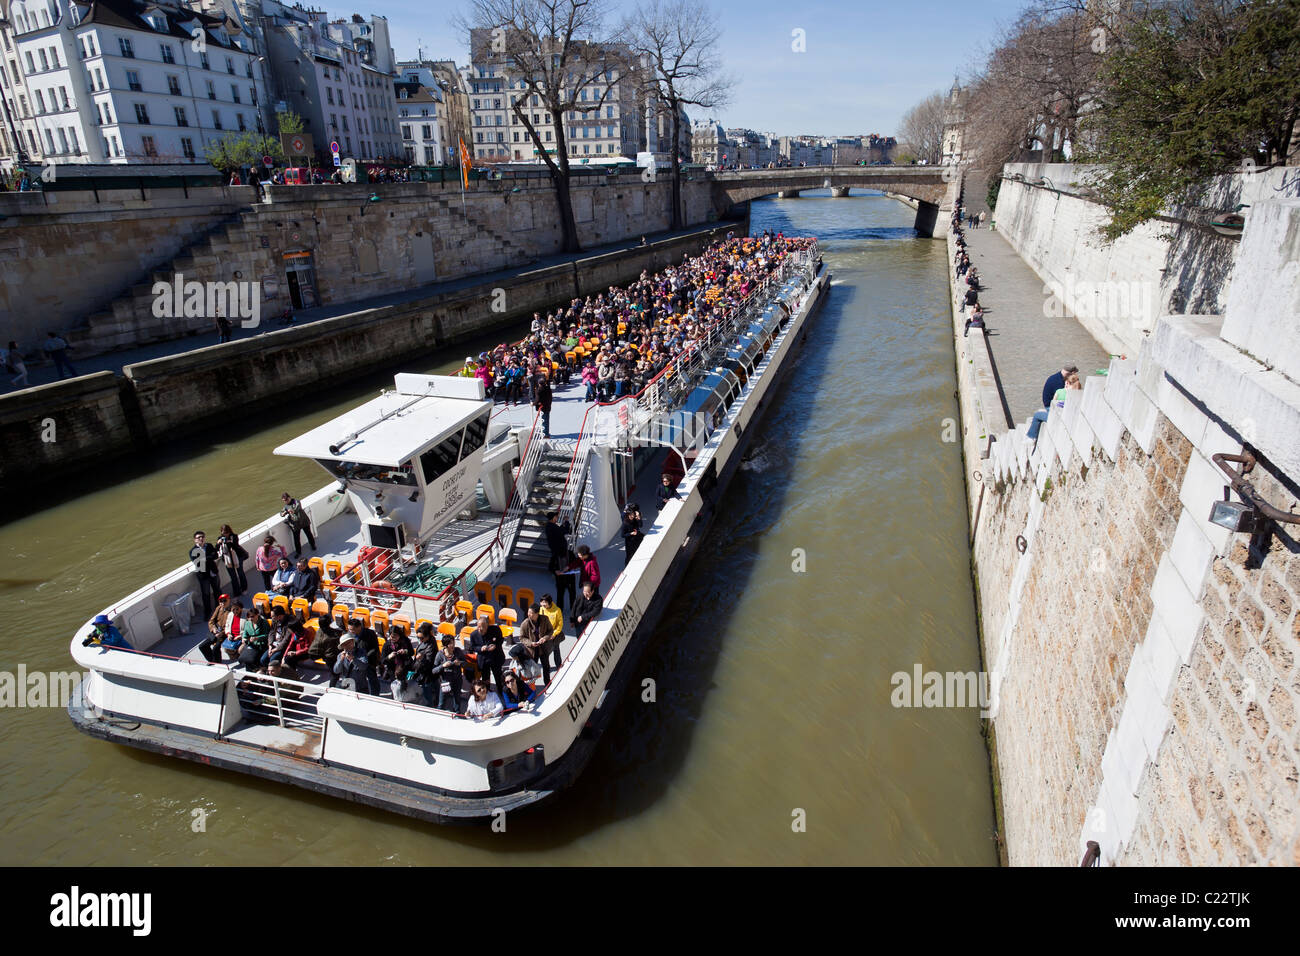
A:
[253,638]
[665,492]
[517,691]
[481,704]
[235,629]
[298,650]
[403,684]
[588,607]
[282,579]
[353,667]
[284,629]
[104,634]
[305,582]
[444,678]
[218,630]
[325,645]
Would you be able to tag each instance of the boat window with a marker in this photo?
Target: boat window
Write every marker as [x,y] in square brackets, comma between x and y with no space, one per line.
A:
[475,432]
[359,471]
[440,458]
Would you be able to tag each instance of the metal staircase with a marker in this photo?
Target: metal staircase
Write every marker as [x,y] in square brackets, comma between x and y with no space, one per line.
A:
[545,494]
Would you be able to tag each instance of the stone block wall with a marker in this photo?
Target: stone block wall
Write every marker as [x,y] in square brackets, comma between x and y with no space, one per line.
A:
[1143,660]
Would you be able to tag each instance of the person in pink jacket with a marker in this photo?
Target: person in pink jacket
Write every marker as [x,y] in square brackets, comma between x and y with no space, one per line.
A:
[268,558]
[589,378]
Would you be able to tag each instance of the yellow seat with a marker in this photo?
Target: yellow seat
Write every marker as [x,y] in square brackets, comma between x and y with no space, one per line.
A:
[317,565]
[508,616]
[361,613]
[483,591]
[341,613]
[487,609]
[333,569]
[446,627]
[382,642]
[505,595]
[507,630]
[321,606]
[401,623]
[526,598]
[464,607]
[378,617]
[300,606]
[280,600]
[419,622]
[262,600]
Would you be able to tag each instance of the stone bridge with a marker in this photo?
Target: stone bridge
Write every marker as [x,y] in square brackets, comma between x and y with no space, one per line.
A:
[933,188]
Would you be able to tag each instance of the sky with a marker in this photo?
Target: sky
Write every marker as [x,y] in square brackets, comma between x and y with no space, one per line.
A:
[864,62]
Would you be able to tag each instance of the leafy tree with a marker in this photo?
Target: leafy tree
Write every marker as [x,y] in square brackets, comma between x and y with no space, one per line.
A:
[1190,91]
[921,128]
[236,150]
[290,123]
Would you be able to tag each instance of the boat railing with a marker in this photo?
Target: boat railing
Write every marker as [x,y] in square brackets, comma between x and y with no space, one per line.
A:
[280,700]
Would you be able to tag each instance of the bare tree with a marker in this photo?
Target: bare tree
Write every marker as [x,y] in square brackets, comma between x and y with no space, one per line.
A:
[921,127]
[562,53]
[677,41]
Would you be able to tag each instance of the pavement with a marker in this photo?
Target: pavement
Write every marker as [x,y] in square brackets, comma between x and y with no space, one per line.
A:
[115,361]
[1026,342]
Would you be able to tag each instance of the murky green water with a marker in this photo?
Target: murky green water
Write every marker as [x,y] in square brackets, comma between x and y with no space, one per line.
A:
[773,685]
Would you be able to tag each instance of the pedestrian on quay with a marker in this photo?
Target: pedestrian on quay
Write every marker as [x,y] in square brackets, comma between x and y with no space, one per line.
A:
[56,347]
[542,402]
[14,365]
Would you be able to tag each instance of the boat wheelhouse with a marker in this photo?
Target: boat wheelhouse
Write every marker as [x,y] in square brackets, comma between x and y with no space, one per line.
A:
[434,513]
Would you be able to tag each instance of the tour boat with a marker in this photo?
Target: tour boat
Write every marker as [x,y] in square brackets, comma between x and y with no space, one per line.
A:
[436,503]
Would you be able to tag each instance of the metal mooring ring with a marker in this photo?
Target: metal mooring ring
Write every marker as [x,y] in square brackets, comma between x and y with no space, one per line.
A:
[1021,544]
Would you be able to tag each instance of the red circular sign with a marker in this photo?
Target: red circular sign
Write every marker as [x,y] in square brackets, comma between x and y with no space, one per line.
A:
[298,145]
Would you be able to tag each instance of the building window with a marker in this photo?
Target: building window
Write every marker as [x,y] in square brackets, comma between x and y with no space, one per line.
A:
[242,125]
[427,132]
[63,95]
[406,132]
[203,61]
[167,55]
[173,85]
[146,142]
[329,95]
[133,81]
[181,118]
[234,92]
[252,95]
[124,45]
[216,119]
[212,91]
[45,63]
[230,66]
[40,101]
[248,69]
[187,147]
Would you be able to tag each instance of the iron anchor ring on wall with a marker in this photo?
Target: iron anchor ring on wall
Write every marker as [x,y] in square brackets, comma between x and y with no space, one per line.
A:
[1022,545]
[978,475]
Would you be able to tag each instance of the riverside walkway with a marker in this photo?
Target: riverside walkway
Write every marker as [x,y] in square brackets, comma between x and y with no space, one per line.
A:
[1026,343]
[42,372]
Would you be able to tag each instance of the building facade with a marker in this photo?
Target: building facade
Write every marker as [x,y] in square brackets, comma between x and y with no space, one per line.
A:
[422,123]
[118,81]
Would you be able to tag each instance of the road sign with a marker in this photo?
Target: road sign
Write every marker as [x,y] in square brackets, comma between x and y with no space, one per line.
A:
[334,147]
[298,146]
[338,160]
[268,162]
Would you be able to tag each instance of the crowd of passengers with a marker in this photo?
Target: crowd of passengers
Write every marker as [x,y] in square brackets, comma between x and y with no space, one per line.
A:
[641,327]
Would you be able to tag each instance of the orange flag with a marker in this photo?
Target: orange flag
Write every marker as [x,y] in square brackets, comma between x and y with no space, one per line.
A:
[465,164]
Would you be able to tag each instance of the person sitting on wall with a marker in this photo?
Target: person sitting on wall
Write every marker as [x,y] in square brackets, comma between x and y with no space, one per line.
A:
[976,321]
[588,607]
[1058,400]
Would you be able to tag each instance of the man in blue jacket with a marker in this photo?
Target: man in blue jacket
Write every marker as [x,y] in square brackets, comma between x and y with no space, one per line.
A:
[1055,383]
[106,635]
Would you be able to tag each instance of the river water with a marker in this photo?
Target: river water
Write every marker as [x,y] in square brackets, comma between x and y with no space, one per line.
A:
[839,560]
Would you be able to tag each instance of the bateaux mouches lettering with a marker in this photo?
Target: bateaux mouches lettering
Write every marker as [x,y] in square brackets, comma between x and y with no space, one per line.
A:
[454,490]
[624,626]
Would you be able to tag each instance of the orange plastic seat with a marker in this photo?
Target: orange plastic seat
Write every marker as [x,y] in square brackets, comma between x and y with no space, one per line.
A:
[465,607]
[508,616]
[280,600]
[526,598]
[378,617]
[333,569]
[321,606]
[505,595]
[317,564]
[446,627]
[361,613]
[262,600]
[300,604]
[483,591]
[507,630]
[401,622]
[487,609]
[419,621]
[341,613]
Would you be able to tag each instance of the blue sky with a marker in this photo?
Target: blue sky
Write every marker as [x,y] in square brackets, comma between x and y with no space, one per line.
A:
[864,64]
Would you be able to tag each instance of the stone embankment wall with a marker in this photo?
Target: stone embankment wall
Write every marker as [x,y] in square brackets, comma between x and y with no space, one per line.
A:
[1175,265]
[1144,660]
[89,261]
[99,417]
